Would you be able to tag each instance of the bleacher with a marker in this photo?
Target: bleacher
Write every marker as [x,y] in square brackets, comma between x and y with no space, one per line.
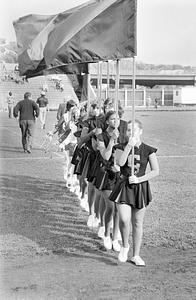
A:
[35,85]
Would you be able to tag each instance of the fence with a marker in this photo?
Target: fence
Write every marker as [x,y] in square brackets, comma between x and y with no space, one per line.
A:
[143,97]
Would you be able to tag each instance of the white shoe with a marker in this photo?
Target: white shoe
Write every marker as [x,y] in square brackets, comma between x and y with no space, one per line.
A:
[138,261]
[107,242]
[77,191]
[86,207]
[71,188]
[79,195]
[96,222]
[119,237]
[116,246]
[90,221]
[101,232]
[123,255]
[86,204]
[83,203]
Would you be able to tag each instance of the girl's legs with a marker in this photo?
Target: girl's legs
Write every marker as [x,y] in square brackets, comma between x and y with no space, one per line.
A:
[124,223]
[102,208]
[111,214]
[116,223]
[73,181]
[97,200]
[83,186]
[124,211]
[66,165]
[72,178]
[91,203]
[83,193]
[137,219]
[97,197]
[91,197]
[115,242]
[108,212]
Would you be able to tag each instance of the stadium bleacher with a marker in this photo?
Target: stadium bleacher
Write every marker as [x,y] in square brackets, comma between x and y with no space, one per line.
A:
[35,85]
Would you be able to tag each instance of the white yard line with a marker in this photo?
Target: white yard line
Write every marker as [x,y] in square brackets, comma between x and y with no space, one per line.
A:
[176,156]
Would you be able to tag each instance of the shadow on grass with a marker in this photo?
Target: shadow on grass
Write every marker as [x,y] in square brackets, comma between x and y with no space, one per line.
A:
[11,149]
[17,149]
[47,213]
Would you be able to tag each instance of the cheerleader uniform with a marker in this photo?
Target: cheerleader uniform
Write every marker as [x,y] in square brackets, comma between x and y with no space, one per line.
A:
[98,174]
[78,152]
[87,154]
[68,139]
[105,177]
[137,195]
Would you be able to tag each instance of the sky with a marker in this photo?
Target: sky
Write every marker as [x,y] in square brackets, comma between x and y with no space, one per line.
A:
[166,29]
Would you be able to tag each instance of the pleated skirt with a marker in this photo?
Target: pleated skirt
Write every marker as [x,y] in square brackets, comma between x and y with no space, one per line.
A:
[137,195]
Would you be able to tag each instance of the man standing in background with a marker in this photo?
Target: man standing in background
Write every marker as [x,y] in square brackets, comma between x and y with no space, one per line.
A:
[62,109]
[28,110]
[10,102]
[42,101]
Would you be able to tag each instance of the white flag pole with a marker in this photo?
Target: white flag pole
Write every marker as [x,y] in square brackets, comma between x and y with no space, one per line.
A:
[88,93]
[108,79]
[98,78]
[99,83]
[117,88]
[133,113]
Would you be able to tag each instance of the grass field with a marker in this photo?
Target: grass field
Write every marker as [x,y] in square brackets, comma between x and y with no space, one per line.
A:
[40,217]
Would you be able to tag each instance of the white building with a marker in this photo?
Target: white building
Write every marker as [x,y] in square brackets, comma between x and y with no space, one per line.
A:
[184,96]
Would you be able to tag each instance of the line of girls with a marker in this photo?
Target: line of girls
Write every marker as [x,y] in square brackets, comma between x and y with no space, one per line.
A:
[102,162]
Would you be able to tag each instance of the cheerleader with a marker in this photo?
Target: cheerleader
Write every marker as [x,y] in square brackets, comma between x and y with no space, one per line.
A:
[78,158]
[97,204]
[106,178]
[132,192]
[103,124]
[68,140]
[88,139]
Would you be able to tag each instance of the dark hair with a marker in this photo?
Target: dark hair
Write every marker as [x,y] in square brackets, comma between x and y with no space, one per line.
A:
[83,109]
[94,105]
[10,93]
[109,114]
[136,121]
[70,104]
[107,102]
[27,95]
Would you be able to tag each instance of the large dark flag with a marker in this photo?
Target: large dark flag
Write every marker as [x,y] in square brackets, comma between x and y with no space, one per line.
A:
[98,30]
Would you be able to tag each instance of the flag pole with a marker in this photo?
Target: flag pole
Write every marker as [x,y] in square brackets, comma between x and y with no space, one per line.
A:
[99,83]
[108,79]
[117,89]
[133,113]
[88,93]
